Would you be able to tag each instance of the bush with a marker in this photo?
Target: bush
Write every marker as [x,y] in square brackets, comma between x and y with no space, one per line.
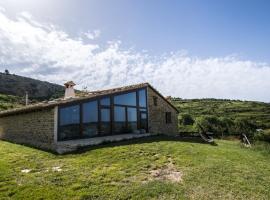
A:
[244,126]
[186,119]
[209,124]
[263,135]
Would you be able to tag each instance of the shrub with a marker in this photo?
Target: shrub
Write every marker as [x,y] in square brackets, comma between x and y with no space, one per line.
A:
[244,126]
[208,124]
[263,135]
[220,126]
[186,119]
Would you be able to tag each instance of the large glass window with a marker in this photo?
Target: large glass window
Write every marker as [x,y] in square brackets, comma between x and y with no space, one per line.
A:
[90,119]
[132,119]
[69,122]
[142,98]
[119,119]
[105,121]
[97,117]
[128,99]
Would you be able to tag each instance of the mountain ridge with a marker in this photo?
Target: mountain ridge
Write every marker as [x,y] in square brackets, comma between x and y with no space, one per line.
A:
[12,84]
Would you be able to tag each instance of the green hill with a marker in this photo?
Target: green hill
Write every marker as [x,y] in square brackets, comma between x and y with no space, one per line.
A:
[256,112]
[10,101]
[11,84]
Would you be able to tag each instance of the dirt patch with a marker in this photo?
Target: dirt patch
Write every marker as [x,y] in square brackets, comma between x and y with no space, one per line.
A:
[168,172]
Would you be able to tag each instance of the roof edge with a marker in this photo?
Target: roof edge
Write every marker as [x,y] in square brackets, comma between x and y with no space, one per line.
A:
[155,90]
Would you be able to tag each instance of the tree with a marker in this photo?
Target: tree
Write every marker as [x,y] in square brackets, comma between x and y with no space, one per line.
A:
[186,119]
[7,72]
[207,123]
[244,126]
[213,124]
[228,125]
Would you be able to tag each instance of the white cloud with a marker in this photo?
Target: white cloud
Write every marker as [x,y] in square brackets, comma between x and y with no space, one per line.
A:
[38,50]
[91,35]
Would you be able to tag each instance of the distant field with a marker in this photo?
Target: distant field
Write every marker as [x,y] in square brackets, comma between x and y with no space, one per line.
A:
[151,168]
[257,112]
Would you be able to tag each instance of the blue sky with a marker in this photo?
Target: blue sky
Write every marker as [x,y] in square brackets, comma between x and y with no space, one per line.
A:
[226,42]
[202,27]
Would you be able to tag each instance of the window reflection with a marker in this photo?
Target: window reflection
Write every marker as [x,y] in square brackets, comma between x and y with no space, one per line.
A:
[105,101]
[69,127]
[105,121]
[132,119]
[119,119]
[128,99]
[90,119]
[142,98]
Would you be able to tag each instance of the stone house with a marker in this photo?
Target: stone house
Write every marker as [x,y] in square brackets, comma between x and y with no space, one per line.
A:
[67,124]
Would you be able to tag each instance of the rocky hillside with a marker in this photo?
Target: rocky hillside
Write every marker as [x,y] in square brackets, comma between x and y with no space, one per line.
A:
[11,84]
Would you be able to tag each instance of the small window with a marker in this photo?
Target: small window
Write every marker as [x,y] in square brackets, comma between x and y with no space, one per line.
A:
[168,117]
[155,100]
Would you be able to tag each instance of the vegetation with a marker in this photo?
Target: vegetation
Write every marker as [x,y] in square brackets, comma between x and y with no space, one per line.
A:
[9,102]
[128,170]
[223,116]
[11,84]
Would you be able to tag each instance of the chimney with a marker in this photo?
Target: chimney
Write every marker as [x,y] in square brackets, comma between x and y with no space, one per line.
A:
[69,92]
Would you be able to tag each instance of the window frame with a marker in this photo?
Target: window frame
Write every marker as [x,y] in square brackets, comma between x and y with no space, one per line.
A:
[168,117]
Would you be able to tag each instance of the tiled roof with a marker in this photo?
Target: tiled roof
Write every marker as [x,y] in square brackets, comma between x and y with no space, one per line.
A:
[81,96]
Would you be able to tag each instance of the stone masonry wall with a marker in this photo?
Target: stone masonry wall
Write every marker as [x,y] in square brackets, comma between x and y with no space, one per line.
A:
[156,115]
[34,128]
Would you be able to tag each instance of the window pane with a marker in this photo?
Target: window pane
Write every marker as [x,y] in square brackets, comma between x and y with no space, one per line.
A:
[90,119]
[105,101]
[142,98]
[105,115]
[132,119]
[105,121]
[119,119]
[143,121]
[128,99]
[69,123]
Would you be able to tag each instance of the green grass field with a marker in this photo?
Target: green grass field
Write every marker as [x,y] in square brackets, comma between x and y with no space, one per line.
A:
[150,168]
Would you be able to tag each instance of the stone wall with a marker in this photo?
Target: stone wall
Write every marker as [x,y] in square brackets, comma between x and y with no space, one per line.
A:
[35,128]
[156,115]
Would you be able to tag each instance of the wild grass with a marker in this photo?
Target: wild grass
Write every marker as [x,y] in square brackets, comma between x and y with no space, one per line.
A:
[123,171]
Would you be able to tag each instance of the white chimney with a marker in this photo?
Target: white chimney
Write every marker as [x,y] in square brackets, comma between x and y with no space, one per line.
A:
[69,92]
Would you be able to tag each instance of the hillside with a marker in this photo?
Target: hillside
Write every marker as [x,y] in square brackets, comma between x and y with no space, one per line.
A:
[256,112]
[10,101]
[11,84]
[149,168]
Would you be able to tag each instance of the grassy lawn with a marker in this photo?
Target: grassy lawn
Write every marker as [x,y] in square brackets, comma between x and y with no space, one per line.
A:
[134,171]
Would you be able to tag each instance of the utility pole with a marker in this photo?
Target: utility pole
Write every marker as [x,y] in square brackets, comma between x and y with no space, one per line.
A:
[26,98]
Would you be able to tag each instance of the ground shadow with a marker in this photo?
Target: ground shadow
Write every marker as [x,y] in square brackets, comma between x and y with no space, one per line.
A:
[144,140]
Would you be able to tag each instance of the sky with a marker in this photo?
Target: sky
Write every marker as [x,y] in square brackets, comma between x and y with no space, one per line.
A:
[184,48]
